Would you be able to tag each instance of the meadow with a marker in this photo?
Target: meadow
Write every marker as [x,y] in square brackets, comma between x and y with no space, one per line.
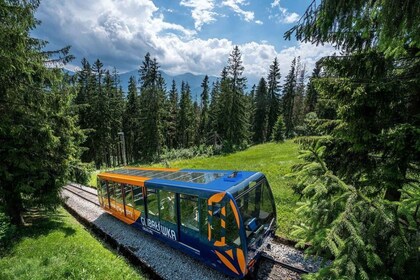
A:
[56,246]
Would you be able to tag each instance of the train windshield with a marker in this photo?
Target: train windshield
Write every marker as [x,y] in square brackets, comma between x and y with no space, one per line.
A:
[257,209]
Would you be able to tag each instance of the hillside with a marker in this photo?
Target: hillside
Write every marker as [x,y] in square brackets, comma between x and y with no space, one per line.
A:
[274,160]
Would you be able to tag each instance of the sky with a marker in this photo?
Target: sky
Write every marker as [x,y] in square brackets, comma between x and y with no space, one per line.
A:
[194,36]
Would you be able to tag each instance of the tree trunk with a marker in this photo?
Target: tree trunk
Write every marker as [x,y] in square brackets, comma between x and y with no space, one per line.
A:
[14,206]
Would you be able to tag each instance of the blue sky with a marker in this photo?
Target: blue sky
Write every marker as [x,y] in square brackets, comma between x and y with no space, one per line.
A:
[184,35]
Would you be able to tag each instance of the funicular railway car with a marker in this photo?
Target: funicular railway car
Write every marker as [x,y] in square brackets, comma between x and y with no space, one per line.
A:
[222,218]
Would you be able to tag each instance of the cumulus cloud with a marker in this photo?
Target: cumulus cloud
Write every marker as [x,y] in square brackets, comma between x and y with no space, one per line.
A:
[202,11]
[283,15]
[121,33]
[235,5]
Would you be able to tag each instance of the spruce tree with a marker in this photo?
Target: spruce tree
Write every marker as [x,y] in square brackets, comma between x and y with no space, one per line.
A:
[360,186]
[299,99]
[185,125]
[273,81]
[260,125]
[171,130]
[311,92]
[289,90]
[152,97]
[204,117]
[233,103]
[38,130]
[215,115]
[278,130]
[131,121]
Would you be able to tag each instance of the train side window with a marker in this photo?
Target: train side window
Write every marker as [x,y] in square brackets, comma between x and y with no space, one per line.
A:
[189,211]
[128,195]
[137,198]
[103,194]
[167,206]
[152,202]
[203,219]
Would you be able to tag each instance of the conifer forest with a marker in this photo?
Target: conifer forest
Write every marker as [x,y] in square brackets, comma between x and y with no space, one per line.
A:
[355,117]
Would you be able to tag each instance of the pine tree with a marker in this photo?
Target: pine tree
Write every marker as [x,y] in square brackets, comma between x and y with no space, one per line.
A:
[289,89]
[260,127]
[204,117]
[273,81]
[38,131]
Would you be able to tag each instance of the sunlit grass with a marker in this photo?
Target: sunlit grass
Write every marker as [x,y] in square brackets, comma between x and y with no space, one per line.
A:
[56,246]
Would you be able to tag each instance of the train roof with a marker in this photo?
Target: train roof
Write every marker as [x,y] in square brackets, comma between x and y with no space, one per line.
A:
[200,180]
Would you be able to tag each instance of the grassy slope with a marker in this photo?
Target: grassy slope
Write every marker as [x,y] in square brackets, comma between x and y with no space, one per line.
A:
[274,160]
[58,247]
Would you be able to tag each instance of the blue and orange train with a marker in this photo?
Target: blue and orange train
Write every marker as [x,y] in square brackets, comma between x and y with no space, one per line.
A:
[222,218]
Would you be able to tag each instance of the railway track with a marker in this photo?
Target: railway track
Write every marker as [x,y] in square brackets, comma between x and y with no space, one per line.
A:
[267,258]
[82,193]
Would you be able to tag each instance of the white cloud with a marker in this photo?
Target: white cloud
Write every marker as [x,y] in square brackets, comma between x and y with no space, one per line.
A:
[120,34]
[259,22]
[284,16]
[202,11]
[235,6]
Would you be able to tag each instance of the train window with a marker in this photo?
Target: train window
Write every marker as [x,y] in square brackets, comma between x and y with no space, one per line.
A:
[128,195]
[152,202]
[103,193]
[216,222]
[138,198]
[111,191]
[118,193]
[232,231]
[189,211]
[167,206]
[202,203]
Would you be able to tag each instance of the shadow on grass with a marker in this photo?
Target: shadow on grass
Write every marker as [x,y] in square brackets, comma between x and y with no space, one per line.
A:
[38,223]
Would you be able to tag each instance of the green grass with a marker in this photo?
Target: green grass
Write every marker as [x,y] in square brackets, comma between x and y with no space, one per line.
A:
[274,160]
[56,246]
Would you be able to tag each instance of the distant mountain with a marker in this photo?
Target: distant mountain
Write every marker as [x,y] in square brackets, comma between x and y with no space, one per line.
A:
[193,80]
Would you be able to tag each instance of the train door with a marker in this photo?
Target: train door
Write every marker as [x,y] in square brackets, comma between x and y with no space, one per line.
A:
[189,220]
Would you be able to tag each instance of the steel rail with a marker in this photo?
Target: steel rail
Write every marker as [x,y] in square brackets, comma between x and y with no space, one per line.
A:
[284,265]
[77,193]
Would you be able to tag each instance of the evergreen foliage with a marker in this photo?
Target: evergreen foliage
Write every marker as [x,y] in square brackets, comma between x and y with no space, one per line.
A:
[261,113]
[131,122]
[39,135]
[278,130]
[289,89]
[273,81]
[186,119]
[204,128]
[152,97]
[361,188]
[171,132]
